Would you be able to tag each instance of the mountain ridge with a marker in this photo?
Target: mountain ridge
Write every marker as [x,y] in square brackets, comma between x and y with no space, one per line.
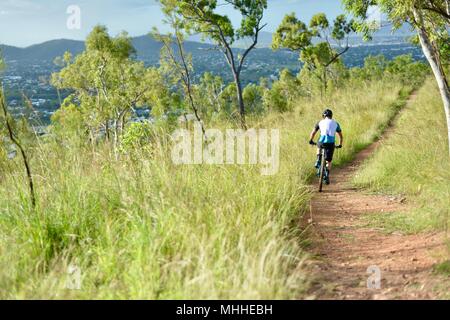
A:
[49,50]
[146,46]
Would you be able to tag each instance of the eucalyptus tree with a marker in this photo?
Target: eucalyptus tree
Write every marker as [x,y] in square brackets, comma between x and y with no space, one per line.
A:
[431,21]
[318,56]
[209,92]
[176,63]
[203,17]
[108,84]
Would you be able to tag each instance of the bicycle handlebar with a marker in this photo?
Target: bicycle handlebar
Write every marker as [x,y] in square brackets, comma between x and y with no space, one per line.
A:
[337,147]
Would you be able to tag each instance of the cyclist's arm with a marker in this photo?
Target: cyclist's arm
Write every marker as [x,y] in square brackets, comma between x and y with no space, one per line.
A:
[339,133]
[341,138]
[314,132]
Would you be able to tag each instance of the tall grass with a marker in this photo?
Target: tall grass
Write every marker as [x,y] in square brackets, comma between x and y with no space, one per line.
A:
[141,227]
[414,162]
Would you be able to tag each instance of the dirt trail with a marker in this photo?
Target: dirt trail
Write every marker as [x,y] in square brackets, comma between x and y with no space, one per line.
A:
[345,247]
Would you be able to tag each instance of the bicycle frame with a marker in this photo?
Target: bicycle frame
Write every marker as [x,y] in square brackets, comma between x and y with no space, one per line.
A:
[323,167]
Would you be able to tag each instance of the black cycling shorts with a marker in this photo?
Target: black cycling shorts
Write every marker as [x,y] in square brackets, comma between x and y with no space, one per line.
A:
[329,150]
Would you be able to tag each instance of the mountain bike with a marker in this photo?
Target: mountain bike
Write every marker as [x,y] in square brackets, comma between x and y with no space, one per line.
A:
[322,172]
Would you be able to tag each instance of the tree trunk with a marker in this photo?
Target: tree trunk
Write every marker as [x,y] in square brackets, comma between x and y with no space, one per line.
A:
[107,133]
[434,60]
[122,122]
[116,135]
[240,98]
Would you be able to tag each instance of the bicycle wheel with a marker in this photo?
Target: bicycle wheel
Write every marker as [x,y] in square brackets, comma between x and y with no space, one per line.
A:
[322,170]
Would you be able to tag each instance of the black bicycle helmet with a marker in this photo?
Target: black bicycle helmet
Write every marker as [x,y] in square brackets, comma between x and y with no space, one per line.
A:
[328,113]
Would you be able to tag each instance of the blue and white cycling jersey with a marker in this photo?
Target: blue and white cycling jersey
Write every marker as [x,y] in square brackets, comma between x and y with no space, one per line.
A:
[328,128]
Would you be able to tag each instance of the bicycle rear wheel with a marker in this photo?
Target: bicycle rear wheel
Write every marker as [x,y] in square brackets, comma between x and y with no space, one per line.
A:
[322,170]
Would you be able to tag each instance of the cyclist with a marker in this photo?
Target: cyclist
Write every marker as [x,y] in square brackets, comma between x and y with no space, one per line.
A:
[328,129]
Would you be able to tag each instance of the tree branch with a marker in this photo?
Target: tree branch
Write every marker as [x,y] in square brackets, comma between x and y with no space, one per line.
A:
[255,42]
[21,148]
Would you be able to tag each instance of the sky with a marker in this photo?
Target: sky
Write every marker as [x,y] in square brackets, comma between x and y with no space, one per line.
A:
[27,22]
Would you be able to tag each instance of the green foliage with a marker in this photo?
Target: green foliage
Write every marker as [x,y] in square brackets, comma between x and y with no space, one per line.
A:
[209,95]
[284,94]
[318,58]
[176,65]
[342,27]
[253,97]
[229,98]
[292,34]
[402,68]
[136,136]
[108,84]
[218,100]
[67,121]
[408,71]
[275,99]
[314,81]
[318,23]
[374,67]
[203,17]
[99,41]
[442,43]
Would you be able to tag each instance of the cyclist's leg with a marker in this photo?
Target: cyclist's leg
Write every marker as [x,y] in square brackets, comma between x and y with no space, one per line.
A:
[329,152]
[319,157]
[327,172]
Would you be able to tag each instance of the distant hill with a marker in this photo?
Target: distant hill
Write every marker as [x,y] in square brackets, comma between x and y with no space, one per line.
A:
[147,49]
[44,51]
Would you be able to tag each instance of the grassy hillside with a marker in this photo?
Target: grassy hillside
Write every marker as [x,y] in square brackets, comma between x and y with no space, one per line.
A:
[140,227]
[414,162]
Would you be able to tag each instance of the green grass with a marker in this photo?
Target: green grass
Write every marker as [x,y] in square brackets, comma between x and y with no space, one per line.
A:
[413,162]
[411,222]
[142,228]
[443,268]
